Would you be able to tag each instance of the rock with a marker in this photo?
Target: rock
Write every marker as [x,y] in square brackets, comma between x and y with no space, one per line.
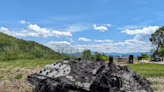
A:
[72,75]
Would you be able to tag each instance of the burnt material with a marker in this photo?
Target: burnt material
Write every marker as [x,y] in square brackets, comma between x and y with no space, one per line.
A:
[110,59]
[130,58]
[88,76]
[140,58]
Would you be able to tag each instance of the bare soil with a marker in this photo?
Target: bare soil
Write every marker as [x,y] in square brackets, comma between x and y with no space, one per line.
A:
[18,85]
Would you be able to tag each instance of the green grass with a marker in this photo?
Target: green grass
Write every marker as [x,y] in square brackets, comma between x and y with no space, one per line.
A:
[5,91]
[148,70]
[18,70]
[19,76]
[26,63]
[9,71]
[2,72]
[1,76]
[10,78]
[155,82]
[154,88]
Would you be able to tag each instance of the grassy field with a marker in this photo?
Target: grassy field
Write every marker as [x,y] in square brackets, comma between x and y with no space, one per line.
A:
[153,72]
[148,70]
[26,63]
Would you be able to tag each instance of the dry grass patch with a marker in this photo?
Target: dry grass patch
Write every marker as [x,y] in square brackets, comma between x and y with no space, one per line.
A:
[157,83]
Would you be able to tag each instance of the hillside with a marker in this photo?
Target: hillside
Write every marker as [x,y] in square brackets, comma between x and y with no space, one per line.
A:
[12,48]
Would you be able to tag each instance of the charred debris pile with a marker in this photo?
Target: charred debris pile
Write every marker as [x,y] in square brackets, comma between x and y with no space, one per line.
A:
[72,75]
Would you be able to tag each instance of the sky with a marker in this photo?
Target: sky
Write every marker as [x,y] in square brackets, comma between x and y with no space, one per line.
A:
[109,26]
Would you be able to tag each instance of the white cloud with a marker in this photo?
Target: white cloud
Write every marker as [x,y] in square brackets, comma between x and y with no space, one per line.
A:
[84,39]
[77,28]
[130,27]
[108,40]
[35,31]
[100,28]
[70,39]
[22,22]
[99,41]
[108,25]
[58,43]
[59,46]
[103,40]
[58,33]
[146,30]
[140,43]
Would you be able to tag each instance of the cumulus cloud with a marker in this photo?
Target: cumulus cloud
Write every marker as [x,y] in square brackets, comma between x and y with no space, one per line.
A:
[35,31]
[100,28]
[84,39]
[140,42]
[103,40]
[145,30]
[22,22]
[59,46]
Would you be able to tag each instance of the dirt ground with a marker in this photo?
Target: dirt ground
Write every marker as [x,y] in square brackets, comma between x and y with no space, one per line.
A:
[22,85]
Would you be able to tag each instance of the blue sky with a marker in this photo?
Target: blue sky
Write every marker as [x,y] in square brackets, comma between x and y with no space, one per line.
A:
[121,26]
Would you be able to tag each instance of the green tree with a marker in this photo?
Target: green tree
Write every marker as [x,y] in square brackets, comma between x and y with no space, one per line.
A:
[97,56]
[103,54]
[157,39]
[86,54]
[144,55]
[103,58]
[161,52]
